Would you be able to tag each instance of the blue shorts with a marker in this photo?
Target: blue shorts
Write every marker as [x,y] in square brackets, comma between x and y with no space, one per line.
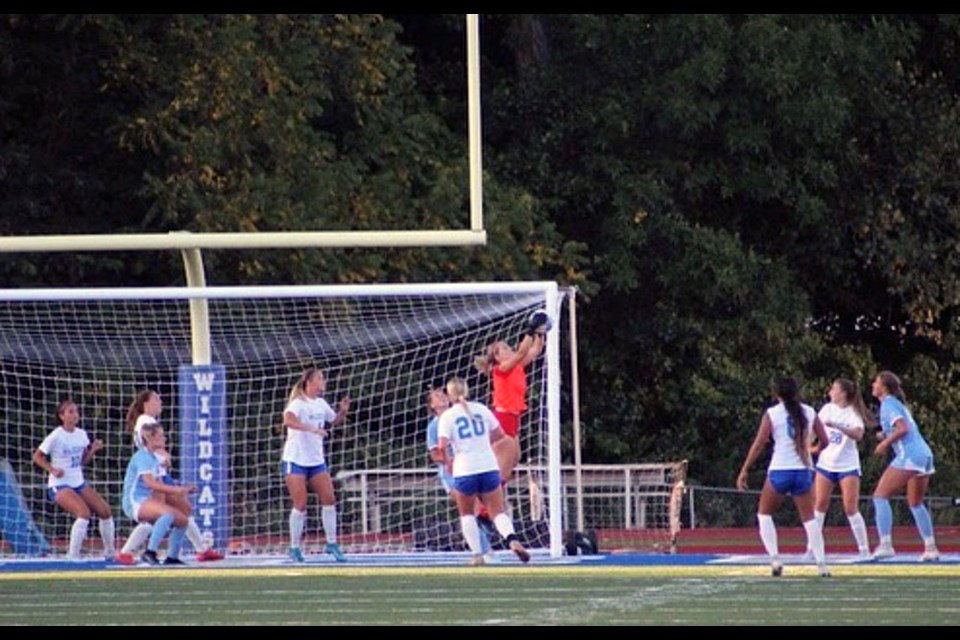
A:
[836,476]
[55,490]
[293,469]
[478,484]
[794,482]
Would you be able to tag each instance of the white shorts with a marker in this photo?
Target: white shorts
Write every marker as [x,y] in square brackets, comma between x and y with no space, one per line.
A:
[134,512]
[922,466]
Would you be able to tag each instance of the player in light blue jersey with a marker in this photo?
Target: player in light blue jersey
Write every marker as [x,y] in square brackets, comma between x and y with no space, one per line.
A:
[144,498]
[790,425]
[63,454]
[910,469]
[145,409]
[437,403]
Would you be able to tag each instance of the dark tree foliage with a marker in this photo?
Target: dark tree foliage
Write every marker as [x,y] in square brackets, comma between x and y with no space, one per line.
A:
[737,196]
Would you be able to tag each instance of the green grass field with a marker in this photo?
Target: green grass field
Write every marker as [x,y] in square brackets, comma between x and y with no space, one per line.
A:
[856,595]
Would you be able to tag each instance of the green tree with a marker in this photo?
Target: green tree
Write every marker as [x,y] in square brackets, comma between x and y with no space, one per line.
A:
[824,144]
[253,123]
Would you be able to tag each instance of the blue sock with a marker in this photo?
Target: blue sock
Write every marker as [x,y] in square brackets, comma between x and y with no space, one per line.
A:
[884,516]
[924,524]
[176,539]
[484,541]
[160,529]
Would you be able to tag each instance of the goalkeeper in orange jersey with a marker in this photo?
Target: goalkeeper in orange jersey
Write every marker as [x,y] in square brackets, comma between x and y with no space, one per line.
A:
[506,368]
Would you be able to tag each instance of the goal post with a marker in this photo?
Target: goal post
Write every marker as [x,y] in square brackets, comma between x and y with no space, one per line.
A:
[381,345]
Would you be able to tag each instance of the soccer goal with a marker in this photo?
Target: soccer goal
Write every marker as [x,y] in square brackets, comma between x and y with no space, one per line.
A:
[383,346]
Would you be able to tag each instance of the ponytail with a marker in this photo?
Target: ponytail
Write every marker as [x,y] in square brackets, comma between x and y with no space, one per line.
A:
[136,408]
[301,383]
[852,392]
[487,362]
[458,392]
[893,385]
[789,392]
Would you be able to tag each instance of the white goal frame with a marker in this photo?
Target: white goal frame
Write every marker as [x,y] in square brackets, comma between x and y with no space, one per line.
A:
[551,292]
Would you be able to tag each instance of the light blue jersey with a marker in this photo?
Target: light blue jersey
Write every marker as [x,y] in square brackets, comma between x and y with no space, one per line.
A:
[433,442]
[135,492]
[912,452]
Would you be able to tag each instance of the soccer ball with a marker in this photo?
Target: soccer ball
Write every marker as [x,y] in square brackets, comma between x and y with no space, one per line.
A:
[539,321]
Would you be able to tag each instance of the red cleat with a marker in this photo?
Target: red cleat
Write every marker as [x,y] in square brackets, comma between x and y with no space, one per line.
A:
[209,556]
[125,559]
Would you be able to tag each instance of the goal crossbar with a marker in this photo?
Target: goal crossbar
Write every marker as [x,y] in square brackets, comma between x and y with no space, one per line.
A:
[266,292]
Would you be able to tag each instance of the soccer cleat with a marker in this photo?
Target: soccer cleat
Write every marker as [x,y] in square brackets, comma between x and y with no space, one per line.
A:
[334,549]
[150,557]
[126,559]
[883,551]
[932,554]
[823,571]
[296,555]
[518,549]
[477,561]
[864,555]
[776,569]
[174,562]
[209,556]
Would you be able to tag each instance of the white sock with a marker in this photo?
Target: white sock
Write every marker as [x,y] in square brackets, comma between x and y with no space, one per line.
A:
[821,518]
[930,543]
[138,537]
[471,533]
[768,534]
[329,517]
[859,527]
[815,540]
[78,533]
[504,526]
[107,535]
[297,519]
[195,537]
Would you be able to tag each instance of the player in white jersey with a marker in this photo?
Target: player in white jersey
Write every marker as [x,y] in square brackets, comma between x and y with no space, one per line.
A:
[470,427]
[63,454]
[790,425]
[438,403]
[143,411]
[910,469]
[147,498]
[844,418]
[304,465]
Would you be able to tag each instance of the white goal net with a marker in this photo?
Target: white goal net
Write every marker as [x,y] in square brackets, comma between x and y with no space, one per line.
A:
[383,346]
